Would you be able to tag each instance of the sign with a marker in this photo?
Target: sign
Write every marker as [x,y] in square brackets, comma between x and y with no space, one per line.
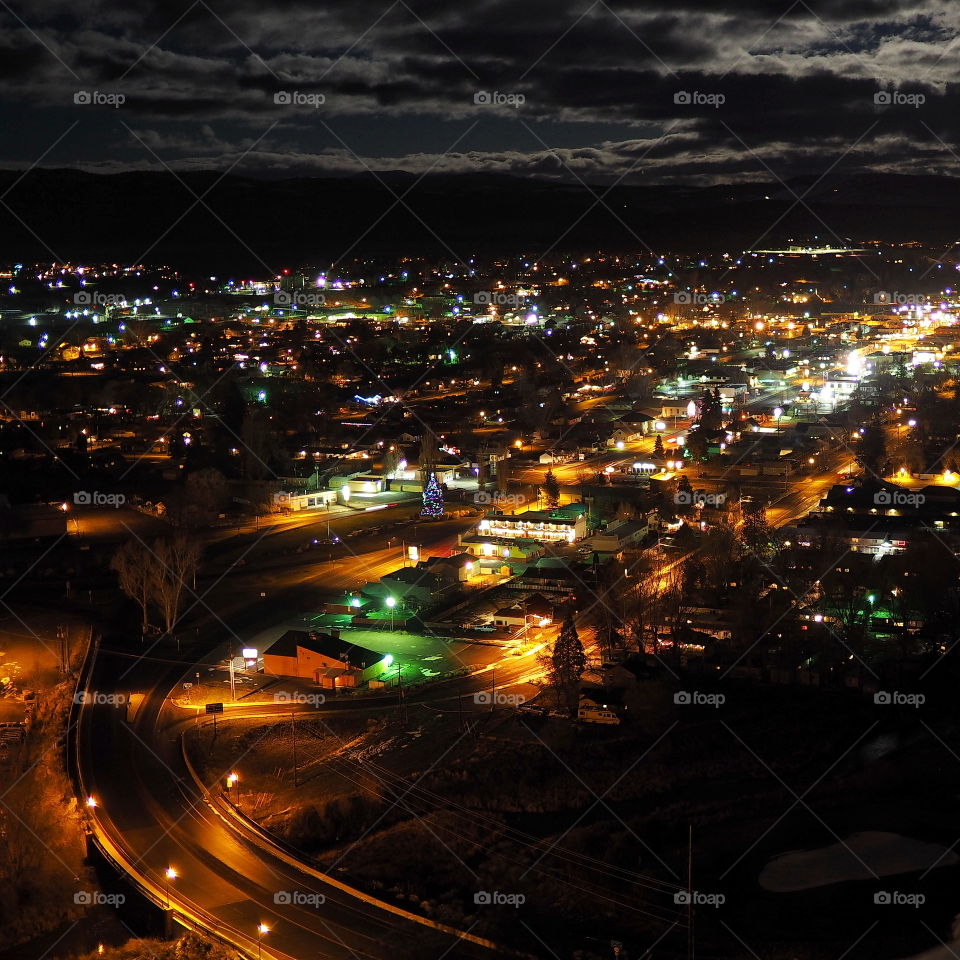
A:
[187,686]
[249,653]
[413,553]
[214,708]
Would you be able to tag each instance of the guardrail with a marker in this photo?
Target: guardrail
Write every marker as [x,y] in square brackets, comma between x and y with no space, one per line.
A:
[294,858]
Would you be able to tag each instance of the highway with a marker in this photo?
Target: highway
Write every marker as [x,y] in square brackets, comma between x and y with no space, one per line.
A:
[151,816]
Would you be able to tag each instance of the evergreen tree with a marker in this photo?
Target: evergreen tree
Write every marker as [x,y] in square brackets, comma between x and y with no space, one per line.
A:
[697,446]
[658,448]
[432,499]
[872,450]
[569,662]
[551,490]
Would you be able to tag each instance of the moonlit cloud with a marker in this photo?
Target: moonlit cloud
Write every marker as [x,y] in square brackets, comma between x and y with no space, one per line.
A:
[591,90]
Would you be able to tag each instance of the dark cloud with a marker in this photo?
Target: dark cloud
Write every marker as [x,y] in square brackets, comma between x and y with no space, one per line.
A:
[587,89]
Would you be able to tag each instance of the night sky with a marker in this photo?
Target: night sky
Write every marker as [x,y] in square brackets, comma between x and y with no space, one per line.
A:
[784,88]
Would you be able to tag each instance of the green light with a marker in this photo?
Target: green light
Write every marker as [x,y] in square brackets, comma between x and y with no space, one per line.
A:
[388,659]
[871,598]
[354,601]
[391,602]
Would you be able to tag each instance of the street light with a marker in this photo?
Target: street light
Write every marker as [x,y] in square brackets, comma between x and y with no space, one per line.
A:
[170,874]
[232,779]
[391,603]
[778,413]
[261,930]
[91,803]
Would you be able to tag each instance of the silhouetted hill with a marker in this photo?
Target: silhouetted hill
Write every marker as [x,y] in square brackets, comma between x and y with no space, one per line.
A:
[206,220]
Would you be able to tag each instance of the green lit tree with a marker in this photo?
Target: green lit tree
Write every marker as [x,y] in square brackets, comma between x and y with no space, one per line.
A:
[432,499]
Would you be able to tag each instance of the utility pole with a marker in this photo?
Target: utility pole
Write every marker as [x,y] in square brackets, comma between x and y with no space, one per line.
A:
[402,707]
[293,726]
[63,647]
[493,689]
[690,940]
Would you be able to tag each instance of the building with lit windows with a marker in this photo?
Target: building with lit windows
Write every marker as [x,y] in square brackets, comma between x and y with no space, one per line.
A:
[566,524]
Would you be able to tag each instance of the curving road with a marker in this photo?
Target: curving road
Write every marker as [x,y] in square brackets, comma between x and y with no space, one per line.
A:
[149,816]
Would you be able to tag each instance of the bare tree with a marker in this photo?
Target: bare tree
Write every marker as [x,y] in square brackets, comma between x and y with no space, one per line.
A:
[156,575]
[428,454]
[177,562]
[133,564]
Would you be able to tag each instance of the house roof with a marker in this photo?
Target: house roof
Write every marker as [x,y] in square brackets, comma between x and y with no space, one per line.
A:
[326,645]
[412,576]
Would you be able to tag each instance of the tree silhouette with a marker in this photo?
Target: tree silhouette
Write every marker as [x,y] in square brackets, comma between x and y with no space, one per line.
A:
[551,490]
[568,662]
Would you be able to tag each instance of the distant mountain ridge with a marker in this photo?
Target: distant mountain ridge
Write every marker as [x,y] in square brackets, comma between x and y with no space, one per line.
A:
[243,223]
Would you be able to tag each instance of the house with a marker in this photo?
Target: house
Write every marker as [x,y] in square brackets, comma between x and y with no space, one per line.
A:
[458,568]
[496,551]
[632,427]
[323,659]
[536,610]
[676,408]
[620,535]
[509,617]
[417,587]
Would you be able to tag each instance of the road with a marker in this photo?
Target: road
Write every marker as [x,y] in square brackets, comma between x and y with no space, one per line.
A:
[149,812]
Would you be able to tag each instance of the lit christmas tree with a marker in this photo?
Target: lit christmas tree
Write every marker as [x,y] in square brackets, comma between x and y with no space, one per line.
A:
[432,499]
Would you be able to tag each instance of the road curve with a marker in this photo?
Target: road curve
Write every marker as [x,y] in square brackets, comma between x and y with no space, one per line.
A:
[150,816]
